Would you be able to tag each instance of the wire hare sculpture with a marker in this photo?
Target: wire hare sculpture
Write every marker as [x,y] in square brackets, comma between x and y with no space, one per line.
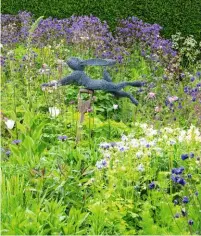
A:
[80,78]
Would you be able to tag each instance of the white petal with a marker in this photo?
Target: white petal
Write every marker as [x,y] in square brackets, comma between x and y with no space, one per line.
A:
[10,124]
[54,111]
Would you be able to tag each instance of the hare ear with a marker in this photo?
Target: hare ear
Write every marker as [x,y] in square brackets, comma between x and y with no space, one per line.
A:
[98,62]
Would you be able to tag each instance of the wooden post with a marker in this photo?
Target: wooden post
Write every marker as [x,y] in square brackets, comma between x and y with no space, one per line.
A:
[83,107]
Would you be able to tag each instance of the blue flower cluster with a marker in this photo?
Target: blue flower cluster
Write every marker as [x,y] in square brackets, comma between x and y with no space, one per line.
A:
[90,32]
[186,156]
[134,32]
[176,172]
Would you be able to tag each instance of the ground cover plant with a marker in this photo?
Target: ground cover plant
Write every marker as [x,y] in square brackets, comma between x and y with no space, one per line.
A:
[136,170]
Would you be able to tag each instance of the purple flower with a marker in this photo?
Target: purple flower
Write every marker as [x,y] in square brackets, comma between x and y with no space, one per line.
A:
[178,180]
[185,200]
[189,176]
[101,164]
[152,185]
[178,171]
[181,181]
[177,215]
[105,145]
[196,193]
[8,153]
[198,74]
[16,141]
[62,138]
[89,110]
[176,202]
[184,156]
[183,212]
[104,163]
[191,154]
[190,222]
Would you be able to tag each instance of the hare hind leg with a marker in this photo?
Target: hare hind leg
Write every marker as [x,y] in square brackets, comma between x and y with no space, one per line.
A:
[125,94]
[124,84]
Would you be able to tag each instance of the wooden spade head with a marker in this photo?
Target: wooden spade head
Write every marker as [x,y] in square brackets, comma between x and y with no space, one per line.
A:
[84,105]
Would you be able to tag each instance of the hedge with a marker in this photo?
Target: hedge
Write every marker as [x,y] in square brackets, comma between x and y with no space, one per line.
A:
[172,15]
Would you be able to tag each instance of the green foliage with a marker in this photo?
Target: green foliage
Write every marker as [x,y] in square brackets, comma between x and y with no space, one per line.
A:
[173,15]
[51,186]
[188,48]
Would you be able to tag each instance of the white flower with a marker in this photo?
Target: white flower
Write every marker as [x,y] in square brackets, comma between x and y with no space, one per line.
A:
[134,143]
[140,167]
[115,106]
[107,155]
[124,138]
[61,62]
[139,154]
[54,111]
[151,132]
[172,142]
[44,71]
[143,126]
[10,124]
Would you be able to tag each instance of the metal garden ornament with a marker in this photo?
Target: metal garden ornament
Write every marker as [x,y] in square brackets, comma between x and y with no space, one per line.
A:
[80,78]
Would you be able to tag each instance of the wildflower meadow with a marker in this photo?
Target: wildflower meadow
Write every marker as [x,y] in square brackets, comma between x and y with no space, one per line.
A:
[117,168]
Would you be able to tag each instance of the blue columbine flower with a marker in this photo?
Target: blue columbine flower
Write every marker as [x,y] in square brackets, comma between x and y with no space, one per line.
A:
[189,176]
[178,179]
[105,145]
[176,202]
[185,200]
[184,156]
[196,193]
[177,215]
[8,153]
[122,149]
[181,181]
[62,138]
[183,212]
[178,171]
[152,185]
[16,141]
[104,163]
[198,73]
[191,154]
[190,222]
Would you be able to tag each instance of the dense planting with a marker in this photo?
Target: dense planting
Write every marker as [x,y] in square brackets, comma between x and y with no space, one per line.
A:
[136,170]
[172,15]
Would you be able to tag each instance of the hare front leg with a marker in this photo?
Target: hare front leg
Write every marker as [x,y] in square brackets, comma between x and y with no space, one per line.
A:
[106,76]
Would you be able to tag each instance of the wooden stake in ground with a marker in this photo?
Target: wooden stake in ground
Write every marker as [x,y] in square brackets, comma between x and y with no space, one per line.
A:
[83,107]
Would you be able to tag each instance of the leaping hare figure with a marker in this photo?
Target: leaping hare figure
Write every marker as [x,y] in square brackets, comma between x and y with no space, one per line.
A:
[80,78]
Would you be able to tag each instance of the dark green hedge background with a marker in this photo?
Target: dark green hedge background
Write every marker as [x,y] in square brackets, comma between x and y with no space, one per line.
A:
[173,15]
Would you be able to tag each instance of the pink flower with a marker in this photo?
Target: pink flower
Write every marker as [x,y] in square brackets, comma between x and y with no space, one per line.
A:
[172,99]
[151,95]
